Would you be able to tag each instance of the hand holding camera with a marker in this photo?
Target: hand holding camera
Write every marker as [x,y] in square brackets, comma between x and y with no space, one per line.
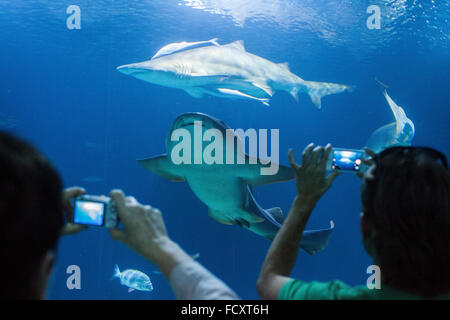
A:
[70,227]
[98,211]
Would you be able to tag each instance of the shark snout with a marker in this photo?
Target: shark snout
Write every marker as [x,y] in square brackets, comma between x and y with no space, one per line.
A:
[128,68]
[189,119]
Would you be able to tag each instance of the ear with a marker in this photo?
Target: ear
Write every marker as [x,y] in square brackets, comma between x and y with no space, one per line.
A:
[44,271]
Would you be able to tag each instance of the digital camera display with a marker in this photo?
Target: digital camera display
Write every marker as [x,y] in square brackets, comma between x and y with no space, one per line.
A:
[347,160]
[89,212]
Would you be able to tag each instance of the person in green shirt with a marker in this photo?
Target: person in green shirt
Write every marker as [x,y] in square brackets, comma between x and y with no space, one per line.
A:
[405,227]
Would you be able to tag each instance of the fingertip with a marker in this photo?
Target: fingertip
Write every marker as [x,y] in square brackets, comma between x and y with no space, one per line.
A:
[116,193]
[328,149]
[80,191]
[290,153]
[310,147]
[291,158]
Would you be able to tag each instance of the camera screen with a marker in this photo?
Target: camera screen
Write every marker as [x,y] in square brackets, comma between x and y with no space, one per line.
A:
[347,160]
[89,212]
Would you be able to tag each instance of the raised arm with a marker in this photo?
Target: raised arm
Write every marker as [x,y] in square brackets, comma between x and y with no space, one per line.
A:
[145,232]
[312,183]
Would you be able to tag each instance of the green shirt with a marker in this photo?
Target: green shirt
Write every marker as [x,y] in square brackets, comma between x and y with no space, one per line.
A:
[337,290]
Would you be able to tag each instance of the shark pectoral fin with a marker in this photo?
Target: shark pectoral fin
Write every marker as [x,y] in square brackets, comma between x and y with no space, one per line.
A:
[130,289]
[264,87]
[294,93]
[316,240]
[255,177]
[398,112]
[161,165]
[239,94]
[405,127]
[276,213]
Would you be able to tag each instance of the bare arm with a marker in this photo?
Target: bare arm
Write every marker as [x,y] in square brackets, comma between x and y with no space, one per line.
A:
[312,183]
[145,232]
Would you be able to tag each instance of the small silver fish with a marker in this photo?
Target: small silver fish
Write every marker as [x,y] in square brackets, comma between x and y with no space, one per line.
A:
[133,279]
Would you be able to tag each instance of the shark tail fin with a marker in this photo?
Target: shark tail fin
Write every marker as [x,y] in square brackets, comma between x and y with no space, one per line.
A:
[316,240]
[317,90]
[116,273]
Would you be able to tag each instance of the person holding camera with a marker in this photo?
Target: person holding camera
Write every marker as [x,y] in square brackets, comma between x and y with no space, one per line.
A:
[35,211]
[405,226]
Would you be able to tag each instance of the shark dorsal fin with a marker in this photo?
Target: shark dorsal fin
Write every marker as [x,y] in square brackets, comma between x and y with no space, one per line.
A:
[238,44]
[284,65]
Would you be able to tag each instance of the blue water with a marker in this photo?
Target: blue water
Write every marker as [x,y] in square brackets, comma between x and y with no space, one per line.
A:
[60,90]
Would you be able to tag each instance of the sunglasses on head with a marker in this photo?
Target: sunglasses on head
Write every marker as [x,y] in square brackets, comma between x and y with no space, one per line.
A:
[411,152]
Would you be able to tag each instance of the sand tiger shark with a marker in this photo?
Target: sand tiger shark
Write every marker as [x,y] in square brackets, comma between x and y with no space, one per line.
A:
[398,133]
[226,189]
[227,71]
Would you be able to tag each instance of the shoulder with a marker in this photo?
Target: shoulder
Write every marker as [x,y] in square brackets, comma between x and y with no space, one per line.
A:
[332,290]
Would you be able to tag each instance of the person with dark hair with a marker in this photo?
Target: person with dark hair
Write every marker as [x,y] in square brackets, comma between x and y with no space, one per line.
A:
[405,227]
[31,218]
[35,211]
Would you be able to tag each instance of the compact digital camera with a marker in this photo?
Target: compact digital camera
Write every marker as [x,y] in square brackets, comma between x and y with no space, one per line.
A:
[98,211]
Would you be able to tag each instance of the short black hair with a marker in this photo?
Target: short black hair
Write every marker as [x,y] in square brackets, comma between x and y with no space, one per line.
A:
[409,208]
[31,215]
